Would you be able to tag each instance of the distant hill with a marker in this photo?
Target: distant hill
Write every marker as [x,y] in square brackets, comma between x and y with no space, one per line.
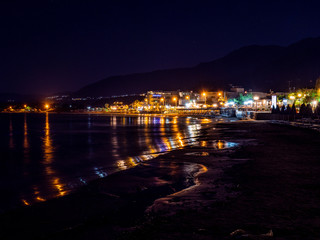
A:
[260,68]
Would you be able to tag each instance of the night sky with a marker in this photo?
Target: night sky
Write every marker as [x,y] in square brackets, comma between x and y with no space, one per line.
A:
[52,46]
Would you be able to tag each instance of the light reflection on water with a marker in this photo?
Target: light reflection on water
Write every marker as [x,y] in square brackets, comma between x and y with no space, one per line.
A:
[217,144]
[179,139]
[61,152]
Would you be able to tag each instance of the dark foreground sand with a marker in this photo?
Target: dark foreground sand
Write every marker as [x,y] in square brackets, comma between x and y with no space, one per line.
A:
[271,180]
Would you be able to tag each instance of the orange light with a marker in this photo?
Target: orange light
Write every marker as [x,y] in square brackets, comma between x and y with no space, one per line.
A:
[292,97]
[174,99]
[46,106]
[161,99]
[204,94]
[219,94]
[187,97]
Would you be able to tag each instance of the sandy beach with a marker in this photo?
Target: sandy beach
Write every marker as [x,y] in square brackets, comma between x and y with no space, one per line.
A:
[254,176]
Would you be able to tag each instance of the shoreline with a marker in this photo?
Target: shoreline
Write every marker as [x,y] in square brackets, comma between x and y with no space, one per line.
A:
[122,114]
[251,186]
[131,183]
[126,161]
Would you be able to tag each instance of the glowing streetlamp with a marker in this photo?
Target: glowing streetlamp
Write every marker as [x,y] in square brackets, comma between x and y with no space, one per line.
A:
[162,100]
[292,97]
[314,103]
[46,106]
[175,100]
[205,98]
[299,95]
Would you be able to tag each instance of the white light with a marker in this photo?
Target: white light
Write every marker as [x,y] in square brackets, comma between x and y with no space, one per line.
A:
[188,105]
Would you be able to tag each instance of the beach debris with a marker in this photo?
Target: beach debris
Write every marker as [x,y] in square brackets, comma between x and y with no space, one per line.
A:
[242,234]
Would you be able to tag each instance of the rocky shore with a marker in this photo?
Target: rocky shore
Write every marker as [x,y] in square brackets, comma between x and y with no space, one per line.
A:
[243,180]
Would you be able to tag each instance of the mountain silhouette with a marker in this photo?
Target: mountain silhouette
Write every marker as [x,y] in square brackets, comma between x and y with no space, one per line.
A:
[255,67]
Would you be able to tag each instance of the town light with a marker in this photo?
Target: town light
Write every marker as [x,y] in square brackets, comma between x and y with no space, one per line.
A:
[161,99]
[175,100]
[46,106]
[299,95]
[187,97]
[205,98]
[292,97]
[256,98]
[219,94]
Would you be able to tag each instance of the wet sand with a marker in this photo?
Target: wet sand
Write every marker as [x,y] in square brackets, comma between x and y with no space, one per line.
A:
[269,181]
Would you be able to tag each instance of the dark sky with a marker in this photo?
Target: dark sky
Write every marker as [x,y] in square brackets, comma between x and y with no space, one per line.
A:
[59,45]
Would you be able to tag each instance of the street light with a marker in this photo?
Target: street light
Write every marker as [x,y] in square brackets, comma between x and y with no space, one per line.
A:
[46,106]
[314,103]
[205,98]
[175,100]
[162,100]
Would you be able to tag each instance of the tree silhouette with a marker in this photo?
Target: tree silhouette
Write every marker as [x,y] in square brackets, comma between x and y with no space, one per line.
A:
[288,109]
[303,110]
[309,110]
[293,109]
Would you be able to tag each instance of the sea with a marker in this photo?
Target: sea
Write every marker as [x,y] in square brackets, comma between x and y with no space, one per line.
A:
[48,155]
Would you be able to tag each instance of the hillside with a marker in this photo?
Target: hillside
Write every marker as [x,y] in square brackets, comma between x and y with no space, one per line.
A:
[256,67]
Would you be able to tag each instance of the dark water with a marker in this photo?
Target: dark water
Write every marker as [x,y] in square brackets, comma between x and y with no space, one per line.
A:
[48,155]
